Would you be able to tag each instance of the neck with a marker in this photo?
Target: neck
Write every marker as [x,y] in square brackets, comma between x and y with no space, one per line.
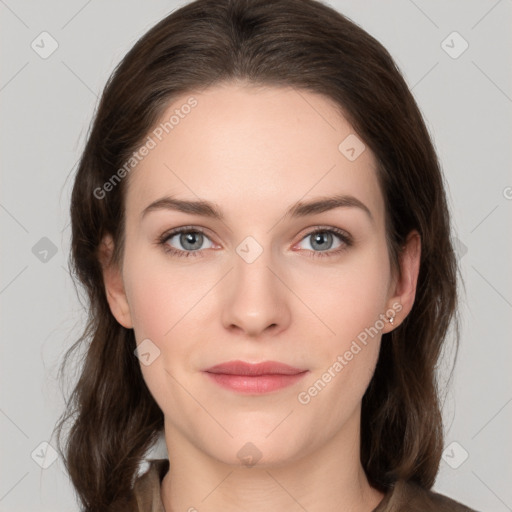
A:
[329,478]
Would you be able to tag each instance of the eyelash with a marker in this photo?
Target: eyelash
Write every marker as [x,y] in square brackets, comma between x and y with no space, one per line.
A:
[342,235]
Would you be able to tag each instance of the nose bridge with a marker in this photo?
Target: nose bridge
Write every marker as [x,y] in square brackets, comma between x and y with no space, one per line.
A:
[252,268]
[256,298]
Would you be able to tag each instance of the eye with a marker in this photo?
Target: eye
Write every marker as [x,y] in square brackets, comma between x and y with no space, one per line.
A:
[189,238]
[322,239]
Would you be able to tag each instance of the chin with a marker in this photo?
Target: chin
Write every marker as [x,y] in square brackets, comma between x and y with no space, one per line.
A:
[257,450]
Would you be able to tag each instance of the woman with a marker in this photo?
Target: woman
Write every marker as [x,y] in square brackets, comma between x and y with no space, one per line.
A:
[288,353]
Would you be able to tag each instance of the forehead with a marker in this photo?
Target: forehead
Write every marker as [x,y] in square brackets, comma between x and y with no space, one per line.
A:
[243,147]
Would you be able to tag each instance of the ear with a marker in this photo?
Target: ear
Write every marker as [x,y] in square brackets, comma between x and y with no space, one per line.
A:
[404,285]
[114,286]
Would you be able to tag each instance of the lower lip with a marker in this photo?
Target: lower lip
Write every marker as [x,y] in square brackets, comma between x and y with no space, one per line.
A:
[255,384]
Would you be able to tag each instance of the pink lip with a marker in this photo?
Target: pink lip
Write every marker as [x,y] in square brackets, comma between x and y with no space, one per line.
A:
[264,368]
[254,378]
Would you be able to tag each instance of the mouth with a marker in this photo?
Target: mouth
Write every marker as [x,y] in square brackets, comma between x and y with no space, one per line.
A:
[250,378]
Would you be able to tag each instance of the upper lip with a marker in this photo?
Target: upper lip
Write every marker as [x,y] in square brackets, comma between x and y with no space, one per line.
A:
[264,368]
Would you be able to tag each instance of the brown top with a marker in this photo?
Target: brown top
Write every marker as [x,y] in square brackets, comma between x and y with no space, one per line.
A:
[403,497]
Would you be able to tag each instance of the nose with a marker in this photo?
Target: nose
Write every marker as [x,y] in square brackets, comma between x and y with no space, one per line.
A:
[256,298]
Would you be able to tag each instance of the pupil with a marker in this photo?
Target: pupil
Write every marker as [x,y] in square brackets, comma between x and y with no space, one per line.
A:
[189,238]
[320,238]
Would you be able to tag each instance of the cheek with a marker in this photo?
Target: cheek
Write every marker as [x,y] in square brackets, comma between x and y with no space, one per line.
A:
[151,305]
[350,300]
[349,297]
[165,305]
[160,294]
[160,305]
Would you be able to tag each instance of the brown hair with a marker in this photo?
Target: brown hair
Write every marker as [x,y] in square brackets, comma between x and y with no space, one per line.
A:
[306,45]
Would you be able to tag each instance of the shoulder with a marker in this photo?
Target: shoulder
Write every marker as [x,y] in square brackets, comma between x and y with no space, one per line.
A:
[404,496]
[410,497]
[146,488]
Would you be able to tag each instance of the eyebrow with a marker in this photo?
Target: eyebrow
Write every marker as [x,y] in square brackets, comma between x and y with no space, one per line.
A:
[299,209]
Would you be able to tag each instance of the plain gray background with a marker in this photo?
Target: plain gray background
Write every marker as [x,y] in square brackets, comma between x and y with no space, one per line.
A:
[46,108]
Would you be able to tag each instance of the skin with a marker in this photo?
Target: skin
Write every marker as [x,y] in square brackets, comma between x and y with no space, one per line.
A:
[255,152]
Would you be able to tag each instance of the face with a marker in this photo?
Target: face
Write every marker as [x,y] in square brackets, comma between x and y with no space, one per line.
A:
[306,287]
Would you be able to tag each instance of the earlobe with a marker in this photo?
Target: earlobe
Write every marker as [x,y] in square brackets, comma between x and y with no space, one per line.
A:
[113,282]
[404,292]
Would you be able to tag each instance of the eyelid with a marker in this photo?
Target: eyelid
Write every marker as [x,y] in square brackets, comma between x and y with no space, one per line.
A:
[345,238]
[171,233]
[323,228]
